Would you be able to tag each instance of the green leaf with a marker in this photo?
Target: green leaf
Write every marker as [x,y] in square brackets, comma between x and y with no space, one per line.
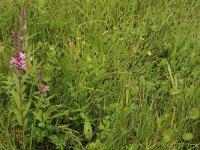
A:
[42,124]
[87,129]
[18,116]
[16,97]
[188,136]
[50,97]
[97,145]
[194,113]
[23,88]
[15,77]
[39,134]
[50,127]
[26,110]
[37,116]
[167,136]
[133,147]
[45,116]
[66,112]
[82,115]
[60,142]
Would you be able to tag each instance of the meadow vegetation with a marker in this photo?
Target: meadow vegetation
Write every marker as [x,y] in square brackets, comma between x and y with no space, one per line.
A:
[100,75]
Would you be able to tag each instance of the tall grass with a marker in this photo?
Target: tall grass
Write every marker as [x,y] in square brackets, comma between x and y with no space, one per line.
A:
[122,74]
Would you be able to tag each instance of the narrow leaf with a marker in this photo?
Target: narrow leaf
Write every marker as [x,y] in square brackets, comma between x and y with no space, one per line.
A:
[66,112]
[26,110]
[18,116]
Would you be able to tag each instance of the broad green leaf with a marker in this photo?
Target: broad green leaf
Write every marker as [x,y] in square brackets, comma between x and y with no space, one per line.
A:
[87,129]
[188,136]
[194,113]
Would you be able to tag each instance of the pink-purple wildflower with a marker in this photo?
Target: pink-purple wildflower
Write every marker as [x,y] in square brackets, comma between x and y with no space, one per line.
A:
[43,88]
[19,60]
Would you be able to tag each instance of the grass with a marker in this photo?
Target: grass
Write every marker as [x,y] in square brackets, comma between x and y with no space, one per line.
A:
[122,75]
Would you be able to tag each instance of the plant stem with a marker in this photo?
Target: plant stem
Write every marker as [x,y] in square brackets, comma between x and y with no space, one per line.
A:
[20,84]
[24,39]
[21,109]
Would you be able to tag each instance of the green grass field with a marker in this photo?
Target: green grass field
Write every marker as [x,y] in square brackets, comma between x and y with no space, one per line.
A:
[123,75]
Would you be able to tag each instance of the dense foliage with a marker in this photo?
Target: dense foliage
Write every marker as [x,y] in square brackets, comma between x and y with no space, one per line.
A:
[100,75]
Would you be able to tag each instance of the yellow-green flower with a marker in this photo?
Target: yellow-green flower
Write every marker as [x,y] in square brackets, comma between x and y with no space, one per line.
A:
[149,53]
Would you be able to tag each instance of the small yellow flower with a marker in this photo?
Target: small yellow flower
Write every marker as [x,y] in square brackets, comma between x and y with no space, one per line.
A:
[134,48]
[83,42]
[149,53]
[142,38]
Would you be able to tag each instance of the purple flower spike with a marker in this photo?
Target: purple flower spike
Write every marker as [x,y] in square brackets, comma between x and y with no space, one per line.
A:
[19,61]
[23,19]
[16,41]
